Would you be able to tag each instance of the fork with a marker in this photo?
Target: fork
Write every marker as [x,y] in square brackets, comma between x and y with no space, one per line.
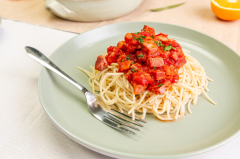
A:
[113,118]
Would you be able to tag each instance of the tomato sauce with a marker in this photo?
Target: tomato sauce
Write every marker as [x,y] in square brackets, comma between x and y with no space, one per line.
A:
[149,61]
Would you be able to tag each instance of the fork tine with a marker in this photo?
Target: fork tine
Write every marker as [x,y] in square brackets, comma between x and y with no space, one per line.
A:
[125,114]
[127,131]
[125,119]
[119,121]
[116,126]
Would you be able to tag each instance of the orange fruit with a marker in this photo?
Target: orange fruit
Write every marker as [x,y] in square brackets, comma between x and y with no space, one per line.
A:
[226,9]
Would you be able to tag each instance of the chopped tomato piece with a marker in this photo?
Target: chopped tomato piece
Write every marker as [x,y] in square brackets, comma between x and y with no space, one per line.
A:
[155,62]
[122,58]
[135,42]
[128,37]
[157,74]
[161,34]
[124,66]
[149,78]
[148,29]
[145,33]
[170,71]
[135,67]
[165,54]
[132,57]
[122,45]
[180,53]
[111,58]
[161,38]
[110,49]
[117,50]
[175,79]
[141,56]
[128,75]
[101,63]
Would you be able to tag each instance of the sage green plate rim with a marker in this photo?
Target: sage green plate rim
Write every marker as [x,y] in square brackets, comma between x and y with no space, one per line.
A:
[110,152]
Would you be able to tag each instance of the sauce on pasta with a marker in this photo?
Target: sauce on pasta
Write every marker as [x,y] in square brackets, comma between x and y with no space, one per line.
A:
[149,61]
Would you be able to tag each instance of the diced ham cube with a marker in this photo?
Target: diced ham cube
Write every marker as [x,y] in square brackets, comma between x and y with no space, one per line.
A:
[124,66]
[167,83]
[174,55]
[101,63]
[180,62]
[150,48]
[157,74]
[160,88]
[132,46]
[142,78]
[138,88]
[155,62]
[139,77]
[169,61]
[157,89]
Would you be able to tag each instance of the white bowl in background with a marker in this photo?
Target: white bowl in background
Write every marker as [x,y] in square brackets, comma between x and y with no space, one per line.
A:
[91,10]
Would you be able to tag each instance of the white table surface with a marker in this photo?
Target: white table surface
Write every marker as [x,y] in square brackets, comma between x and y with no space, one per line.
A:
[25,129]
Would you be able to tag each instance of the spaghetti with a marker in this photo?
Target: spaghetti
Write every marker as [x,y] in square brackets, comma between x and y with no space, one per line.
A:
[116,91]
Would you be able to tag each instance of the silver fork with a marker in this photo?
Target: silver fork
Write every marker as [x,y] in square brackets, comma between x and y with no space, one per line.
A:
[93,102]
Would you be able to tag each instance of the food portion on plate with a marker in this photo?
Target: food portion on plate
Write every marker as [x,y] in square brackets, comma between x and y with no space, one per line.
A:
[148,73]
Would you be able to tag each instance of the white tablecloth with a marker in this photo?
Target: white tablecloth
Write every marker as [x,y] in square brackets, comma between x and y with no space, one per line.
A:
[25,129]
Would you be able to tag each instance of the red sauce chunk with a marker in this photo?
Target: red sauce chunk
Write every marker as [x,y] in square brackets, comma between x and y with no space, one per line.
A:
[150,62]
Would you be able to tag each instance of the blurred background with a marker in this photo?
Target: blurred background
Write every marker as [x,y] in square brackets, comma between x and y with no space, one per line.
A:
[81,15]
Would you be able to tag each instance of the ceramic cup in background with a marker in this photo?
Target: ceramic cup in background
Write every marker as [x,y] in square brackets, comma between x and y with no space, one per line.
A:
[91,10]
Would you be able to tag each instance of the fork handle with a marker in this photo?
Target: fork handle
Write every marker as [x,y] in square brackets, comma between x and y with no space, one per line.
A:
[42,59]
